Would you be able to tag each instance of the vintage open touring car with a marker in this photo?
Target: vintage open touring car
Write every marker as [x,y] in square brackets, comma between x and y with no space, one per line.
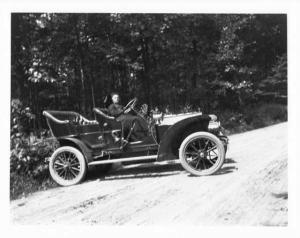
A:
[196,139]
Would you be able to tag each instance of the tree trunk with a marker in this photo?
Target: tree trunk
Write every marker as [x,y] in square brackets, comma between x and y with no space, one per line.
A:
[83,103]
[145,75]
[92,91]
[195,66]
[81,65]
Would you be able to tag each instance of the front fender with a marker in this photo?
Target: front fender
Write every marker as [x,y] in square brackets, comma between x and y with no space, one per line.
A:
[87,153]
[175,134]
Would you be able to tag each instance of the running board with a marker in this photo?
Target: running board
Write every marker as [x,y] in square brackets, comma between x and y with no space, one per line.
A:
[110,161]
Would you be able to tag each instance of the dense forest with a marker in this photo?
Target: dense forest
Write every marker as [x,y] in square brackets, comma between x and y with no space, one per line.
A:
[211,62]
[233,65]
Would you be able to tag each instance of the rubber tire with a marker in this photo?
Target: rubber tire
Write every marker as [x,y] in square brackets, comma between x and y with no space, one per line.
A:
[82,162]
[209,136]
[225,149]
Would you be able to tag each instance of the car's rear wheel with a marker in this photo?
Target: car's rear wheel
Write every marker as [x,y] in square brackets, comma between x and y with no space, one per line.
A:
[201,153]
[67,166]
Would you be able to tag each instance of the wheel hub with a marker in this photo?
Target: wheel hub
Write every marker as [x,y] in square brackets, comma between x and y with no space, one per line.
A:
[202,154]
[67,165]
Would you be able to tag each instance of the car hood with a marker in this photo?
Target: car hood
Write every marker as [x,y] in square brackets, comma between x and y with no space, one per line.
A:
[174,118]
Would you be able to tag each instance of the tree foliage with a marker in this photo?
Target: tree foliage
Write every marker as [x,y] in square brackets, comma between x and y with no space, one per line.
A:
[207,61]
[28,154]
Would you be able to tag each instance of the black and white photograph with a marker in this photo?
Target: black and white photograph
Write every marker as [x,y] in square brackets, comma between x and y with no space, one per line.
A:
[149,118]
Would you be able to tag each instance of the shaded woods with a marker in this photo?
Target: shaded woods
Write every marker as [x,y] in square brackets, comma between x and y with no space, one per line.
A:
[232,65]
[212,62]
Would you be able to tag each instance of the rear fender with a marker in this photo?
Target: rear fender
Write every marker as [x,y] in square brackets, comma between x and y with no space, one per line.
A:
[173,137]
[78,144]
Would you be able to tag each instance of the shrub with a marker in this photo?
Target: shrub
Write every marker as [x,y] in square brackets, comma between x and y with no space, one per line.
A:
[233,122]
[29,152]
[252,117]
[265,115]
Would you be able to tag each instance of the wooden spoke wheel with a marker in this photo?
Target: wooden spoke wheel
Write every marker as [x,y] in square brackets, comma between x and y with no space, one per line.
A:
[67,166]
[202,153]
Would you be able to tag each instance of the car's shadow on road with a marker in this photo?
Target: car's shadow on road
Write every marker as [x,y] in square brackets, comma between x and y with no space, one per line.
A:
[138,171]
[227,168]
[229,161]
[151,170]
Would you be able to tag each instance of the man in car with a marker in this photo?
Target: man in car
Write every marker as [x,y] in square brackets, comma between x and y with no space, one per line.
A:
[134,126]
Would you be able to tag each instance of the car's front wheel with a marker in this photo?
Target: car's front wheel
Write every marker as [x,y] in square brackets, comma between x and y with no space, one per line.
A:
[67,166]
[201,153]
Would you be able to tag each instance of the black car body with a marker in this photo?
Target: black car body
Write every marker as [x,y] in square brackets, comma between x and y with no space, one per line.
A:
[193,137]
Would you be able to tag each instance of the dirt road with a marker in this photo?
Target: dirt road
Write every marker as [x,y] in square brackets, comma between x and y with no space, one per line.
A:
[250,189]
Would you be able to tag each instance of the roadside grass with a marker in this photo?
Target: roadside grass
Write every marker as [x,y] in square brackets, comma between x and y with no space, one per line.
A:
[23,184]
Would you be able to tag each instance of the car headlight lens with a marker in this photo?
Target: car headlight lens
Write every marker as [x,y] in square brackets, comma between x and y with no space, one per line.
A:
[214,125]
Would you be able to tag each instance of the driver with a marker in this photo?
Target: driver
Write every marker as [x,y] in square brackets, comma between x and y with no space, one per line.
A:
[138,124]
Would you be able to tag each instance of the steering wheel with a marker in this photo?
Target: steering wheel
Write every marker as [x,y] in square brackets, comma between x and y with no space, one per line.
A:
[131,104]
